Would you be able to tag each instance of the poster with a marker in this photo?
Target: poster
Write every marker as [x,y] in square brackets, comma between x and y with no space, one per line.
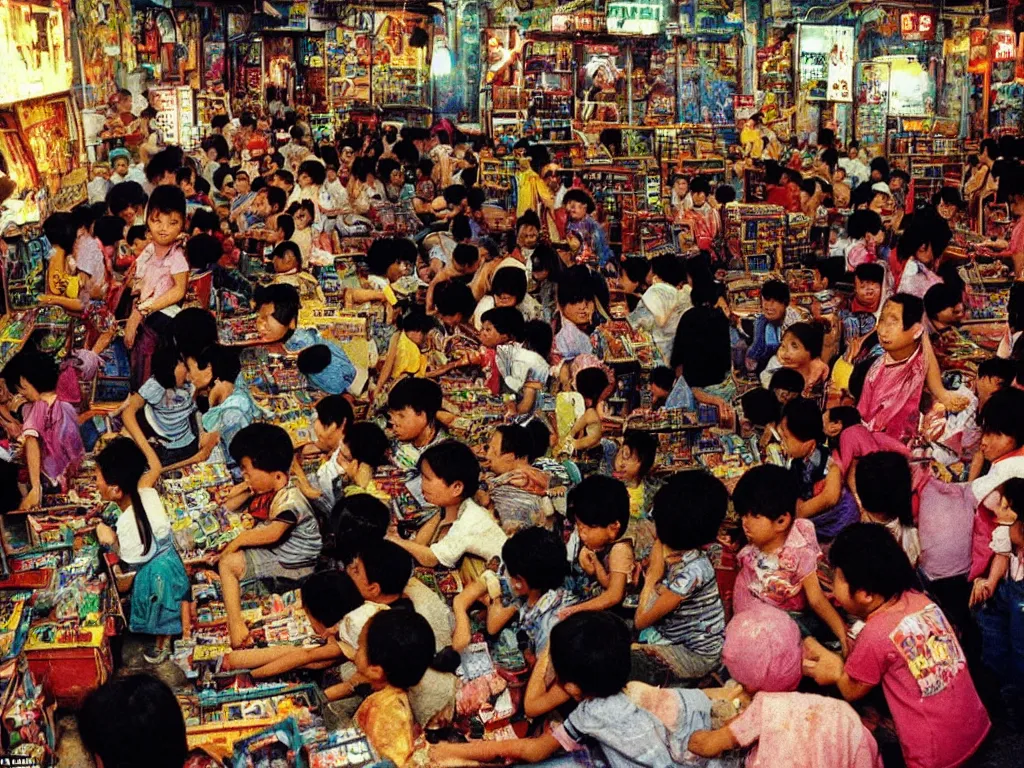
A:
[50,129]
[213,63]
[872,104]
[35,58]
[104,32]
[911,88]
[604,84]
[165,102]
[826,63]
[635,17]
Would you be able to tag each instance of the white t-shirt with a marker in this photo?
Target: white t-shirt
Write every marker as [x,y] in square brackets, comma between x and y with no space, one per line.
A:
[128,530]
[474,532]
[327,475]
[351,626]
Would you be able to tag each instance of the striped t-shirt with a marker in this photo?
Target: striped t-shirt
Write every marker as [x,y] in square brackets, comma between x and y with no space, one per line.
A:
[697,623]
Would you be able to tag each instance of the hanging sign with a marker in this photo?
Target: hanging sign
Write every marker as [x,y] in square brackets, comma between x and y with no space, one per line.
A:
[917,25]
[977,62]
[1004,45]
[635,17]
[826,63]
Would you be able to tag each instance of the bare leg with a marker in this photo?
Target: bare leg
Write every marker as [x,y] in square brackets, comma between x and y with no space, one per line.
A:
[252,658]
[186,619]
[232,569]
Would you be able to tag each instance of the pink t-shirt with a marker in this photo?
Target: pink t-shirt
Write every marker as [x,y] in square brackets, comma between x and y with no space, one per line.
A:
[777,578]
[56,427]
[156,275]
[911,649]
[804,730]
[858,441]
[860,253]
[891,399]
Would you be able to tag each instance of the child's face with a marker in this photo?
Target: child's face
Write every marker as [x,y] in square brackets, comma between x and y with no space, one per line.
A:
[867,292]
[99,172]
[260,481]
[201,378]
[284,262]
[784,395]
[857,604]
[332,174]
[138,246]
[504,300]
[242,185]
[187,187]
[891,334]
[659,394]
[995,445]
[627,463]
[121,166]
[699,198]
[396,271]
[760,530]
[489,335]
[498,461]
[987,386]
[527,236]
[328,436]
[793,354]
[579,313]
[597,537]
[304,180]
[681,187]
[773,310]
[269,327]
[627,283]
[261,205]
[437,492]
[397,177]
[794,446]
[416,337]
[576,210]
[408,424]
[357,572]
[302,219]
[1005,514]
[164,228]
[107,492]
[952,315]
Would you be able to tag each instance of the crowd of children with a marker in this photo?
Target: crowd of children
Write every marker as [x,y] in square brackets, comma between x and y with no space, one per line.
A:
[665,615]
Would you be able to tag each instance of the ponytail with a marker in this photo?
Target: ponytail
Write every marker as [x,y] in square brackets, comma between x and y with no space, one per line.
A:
[122,463]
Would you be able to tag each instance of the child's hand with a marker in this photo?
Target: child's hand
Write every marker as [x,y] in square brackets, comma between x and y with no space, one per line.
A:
[105,535]
[955,403]
[820,664]
[588,561]
[980,592]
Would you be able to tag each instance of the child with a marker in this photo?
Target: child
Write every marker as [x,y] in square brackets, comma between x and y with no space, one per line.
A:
[363,449]
[333,416]
[523,366]
[603,565]
[776,316]
[866,230]
[137,240]
[779,565]
[536,568]
[144,543]
[680,194]
[859,320]
[500,326]
[465,535]
[519,501]
[680,616]
[633,463]
[801,348]
[508,289]
[886,498]
[160,417]
[288,545]
[907,645]
[701,216]
[919,249]
[386,263]
[287,260]
[576,302]
[663,303]
[545,268]
[762,651]
[413,407]
[823,496]
[216,371]
[661,383]
[786,384]
[326,367]
[579,207]
[592,383]
[302,217]
[52,444]
[405,355]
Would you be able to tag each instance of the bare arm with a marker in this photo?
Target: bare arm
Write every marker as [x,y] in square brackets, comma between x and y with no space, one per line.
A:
[260,536]
[131,423]
[521,750]
[821,606]
[173,296]
[299,657]
[462,634]
[712,743]
[828,497]
[423,555]
[539,699]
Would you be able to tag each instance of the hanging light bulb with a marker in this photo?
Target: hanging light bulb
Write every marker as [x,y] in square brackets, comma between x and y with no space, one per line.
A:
[441,59]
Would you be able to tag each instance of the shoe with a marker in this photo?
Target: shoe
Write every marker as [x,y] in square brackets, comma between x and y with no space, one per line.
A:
[157,655]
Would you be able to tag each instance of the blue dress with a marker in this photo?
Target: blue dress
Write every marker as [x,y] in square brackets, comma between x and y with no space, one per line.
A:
[160,587]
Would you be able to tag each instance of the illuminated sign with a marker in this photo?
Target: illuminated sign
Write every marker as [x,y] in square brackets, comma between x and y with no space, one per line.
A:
[915,25]
[635,17]
[1004,45]
[33,51]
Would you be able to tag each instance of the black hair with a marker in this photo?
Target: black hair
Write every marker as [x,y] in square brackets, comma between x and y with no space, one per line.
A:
[185,173]
[401,643]
[1015,307]
[884,486]
[283,249]
[644,446]
[285,299]
[316,171]
[862,194]
[217,142]
[134,722]
[872,561]
[219,121]
[454,297]
[225,362]
[388,250]
[591,650]
[267,446]
[810,335]
[509,281]
[803,419]
[846,415]
[461,229]
[277,198]
[283,174]
[296,133]
[664,377]
[760,405]
[136,232]
[247,120]
[36,368]
[669,269]
[221,175]
[912,308]
[421,395]
[122,463]
[788,380]
[515,440]
[863,222]
[454,194]
[465,254]
[416,320]
[830,157]
[1003,414]
[193,330]
[508,321]
[286,224]
[10,496]
[697,524]
[203,220]
[528,219]
[574,286]
[949,196]
[925,227]
[538,336]
[367,443]
[575,195]
[334,409]
[998,368]
[540,435]
[165,161]
[109,230]
[425,166]
[125,194]
[881,165]
[385,166]
[591,382]
[203,251]
[454,462]
[939,297]
[766,491]
[599,501]
[637,269]
[725,194]
[700,184]
[775,290]
[870,273]
[1013,491]
[386,564]
[167,199]
[165,359]
[61,230]
[313,359]
[328,596]
[537,556]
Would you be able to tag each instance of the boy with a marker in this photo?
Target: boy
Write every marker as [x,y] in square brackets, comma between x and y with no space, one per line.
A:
[823,495]
[508,289]
[944,306]
[288,545]
[779,566]
[413,407]
[603,564]
[701,216]
[907,645]
[776,316]
[662,381]
[287,261]
[499,327]
[518,504]
[333,415]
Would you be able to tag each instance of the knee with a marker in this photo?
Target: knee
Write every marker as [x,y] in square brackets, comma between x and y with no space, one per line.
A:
[232,564]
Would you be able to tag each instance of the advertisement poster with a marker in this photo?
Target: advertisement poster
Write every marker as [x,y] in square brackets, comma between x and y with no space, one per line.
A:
[911,88]
[635,17]
[872,104]
[826,63]
[213,62]
[32,48]
[165,102]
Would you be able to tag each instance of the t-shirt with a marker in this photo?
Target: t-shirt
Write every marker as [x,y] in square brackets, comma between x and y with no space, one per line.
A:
[328,479]
[89,259]
[156,275]
[630,737]
[697,623]
[351,625]
[169,412]
[128,538]
[944,526]
[537,620]
[300,546]
[804,730]
[56,428]
[474,532]
[386,719]
[231,415]
[430,606]
[777,578]
[911,649]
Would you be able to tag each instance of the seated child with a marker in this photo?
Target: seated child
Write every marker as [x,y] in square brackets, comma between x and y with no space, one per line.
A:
[144,543]
[779,565]
[776,316]
[762,651]
[288,544]
[859,320]
[464,535]
[680,616]
[500,326]
[633,463]
[454,305]
[160,417]
[324,489]
[850,440]
[363,448]
[413,408]
[800,350]
[217,372]
[302,213]
[866,230]
[508,289]
[288,269]
[602,562]
[662,380]
[405,355]
[576,309]
[386,262]
[53,446]
[786,384]
[907,646]
[886,498]
[523,364]
[592,383]
[663,303]
[518,499]
[327,368]
[822,493]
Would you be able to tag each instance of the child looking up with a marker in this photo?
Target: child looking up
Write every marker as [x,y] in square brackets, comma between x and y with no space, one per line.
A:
[144,544]
[160,417]
[907,646]
[680,617]
[779,565]
[602,558]
[286,546]
[801,348]
[823,496]
[777,314]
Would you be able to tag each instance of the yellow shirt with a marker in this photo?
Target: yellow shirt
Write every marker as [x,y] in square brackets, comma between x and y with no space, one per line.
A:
[408,358]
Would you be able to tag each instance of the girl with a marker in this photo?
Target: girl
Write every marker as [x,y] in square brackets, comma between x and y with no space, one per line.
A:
[663,304]
[405,355]
[586,436]
[144,543]
[801,351]
[866,230]
[303,213]
[216,371]
[160,417]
